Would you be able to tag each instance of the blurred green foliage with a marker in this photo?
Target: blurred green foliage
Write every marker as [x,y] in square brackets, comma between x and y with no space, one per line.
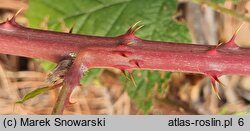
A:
[33,94]
[113,18]
[223,1]
[219,1]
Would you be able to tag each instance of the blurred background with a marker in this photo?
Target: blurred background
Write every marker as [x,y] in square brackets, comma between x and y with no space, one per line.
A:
[107,91]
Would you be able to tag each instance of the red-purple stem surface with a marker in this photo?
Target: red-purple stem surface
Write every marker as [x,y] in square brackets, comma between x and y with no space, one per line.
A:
[125,52]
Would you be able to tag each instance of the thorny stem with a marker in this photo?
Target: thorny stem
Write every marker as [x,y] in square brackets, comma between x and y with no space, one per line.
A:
[125,52]
[224,10]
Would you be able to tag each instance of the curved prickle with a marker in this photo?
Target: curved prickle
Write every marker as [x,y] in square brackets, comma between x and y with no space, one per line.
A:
[231,43]
[214,79]
[132,29]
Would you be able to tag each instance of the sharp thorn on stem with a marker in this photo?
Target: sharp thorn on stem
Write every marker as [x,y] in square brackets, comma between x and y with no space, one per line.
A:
[135,30]
[231,43]
[215,88]
[133,26]
[71,29]
[16,14]
[132,78]
[137,64]
[236,32]
[131,30]
[124,73]
[124,55]
[239,28]
[220,83]
[130,43]
[214,79]
[219,45]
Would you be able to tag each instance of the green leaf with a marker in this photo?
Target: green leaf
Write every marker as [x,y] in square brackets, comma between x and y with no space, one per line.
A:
[218,1]
[47,65]
[145,106]
[90,75]
[113,18]
[223,1]
[34,93]
[146,81]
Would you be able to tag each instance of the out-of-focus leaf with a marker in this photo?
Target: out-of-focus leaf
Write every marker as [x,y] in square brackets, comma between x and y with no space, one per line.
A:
[223,1]
[146,82]
[90,75]
[32,94]
[112,18]
[47,65]
[219,1]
